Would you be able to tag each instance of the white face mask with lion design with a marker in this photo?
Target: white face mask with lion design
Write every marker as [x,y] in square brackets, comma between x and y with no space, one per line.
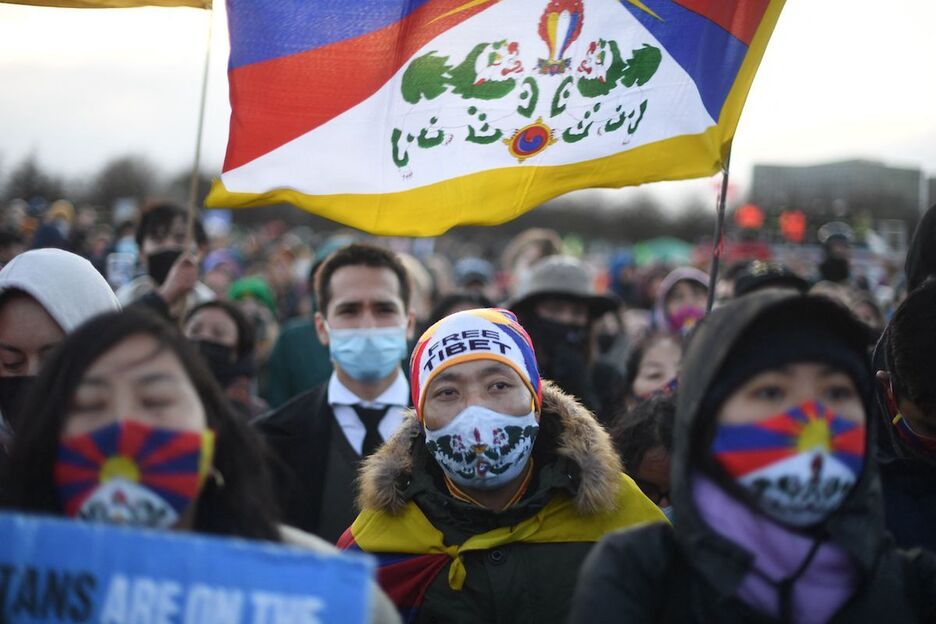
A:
[483,449]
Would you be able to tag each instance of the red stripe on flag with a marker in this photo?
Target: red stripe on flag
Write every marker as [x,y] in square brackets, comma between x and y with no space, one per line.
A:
[416,362]
[276,101]
[783,425]
[132,437]
[406,582]
[74,503]
[180,484]
[346,540]
[740,463]
[67,474]
[739,17]
[852,441]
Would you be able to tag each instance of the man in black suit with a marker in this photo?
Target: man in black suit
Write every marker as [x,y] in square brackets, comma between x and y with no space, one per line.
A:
[320,436]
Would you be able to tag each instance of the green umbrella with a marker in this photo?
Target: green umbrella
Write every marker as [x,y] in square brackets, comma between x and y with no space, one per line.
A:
[665,249]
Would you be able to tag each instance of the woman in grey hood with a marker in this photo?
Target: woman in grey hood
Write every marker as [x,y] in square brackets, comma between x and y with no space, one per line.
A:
[44,295]
[776,493]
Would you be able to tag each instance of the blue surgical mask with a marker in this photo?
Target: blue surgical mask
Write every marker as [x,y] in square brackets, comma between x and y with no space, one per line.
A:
[367,354]
[668,512]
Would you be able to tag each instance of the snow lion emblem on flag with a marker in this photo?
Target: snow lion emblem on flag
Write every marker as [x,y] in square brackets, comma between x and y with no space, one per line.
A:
[498,94]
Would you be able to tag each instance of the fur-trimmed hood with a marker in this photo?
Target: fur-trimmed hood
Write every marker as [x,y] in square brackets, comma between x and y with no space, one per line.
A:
[570,432]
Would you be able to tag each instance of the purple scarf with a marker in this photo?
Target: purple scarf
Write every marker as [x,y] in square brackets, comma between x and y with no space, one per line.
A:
[827,583]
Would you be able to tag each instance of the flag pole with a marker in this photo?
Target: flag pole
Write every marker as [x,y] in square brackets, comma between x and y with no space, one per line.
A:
[719,240]
[196,164]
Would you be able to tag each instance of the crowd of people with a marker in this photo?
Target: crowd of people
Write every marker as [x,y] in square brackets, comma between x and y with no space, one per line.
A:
[532,437]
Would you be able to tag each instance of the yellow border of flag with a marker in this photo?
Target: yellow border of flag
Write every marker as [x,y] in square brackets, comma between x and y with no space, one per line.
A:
[112,4]
[509,192]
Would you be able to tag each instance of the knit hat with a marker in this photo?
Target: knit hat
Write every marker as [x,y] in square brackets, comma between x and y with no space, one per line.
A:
[69,288]
[255,287]
[470,335]
[801,329]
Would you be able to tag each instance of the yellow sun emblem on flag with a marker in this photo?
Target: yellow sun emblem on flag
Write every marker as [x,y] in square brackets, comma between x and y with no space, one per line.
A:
[120,467]
[815,434]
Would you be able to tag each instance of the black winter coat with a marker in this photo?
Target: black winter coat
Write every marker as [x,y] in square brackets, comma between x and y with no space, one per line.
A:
[298,435]
[653,574]
[908,478]
[518,582]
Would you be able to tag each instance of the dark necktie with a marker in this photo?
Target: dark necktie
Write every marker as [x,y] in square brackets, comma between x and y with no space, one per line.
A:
[371,418]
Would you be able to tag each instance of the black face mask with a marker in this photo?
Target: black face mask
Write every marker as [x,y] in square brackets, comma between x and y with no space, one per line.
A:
[221,360]
[160,263]
[12,392]
[605,342]
[548,335]
[562,355]
[834,269]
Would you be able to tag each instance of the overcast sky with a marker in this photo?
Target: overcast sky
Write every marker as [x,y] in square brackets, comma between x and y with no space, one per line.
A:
[840,79]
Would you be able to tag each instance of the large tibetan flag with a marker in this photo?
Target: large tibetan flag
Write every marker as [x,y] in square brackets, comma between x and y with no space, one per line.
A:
[408,117]
[112,4]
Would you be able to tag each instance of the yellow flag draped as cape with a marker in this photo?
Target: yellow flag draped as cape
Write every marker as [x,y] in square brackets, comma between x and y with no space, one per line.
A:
[559,521]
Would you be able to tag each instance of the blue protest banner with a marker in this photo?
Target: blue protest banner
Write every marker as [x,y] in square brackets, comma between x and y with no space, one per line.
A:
[59,571]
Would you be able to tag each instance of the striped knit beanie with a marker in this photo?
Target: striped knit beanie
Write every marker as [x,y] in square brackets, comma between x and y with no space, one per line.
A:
[482,334]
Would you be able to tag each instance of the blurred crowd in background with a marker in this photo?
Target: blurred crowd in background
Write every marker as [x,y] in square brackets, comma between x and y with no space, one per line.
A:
[263,274]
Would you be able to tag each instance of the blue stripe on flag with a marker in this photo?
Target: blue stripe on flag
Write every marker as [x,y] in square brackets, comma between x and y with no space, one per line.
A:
[389,559]
[73,458]
[749,438]
[855,463]
[707,52]
[182,464]
[154,441]
[68,492]
[839,425]
[261,30]
[107,439]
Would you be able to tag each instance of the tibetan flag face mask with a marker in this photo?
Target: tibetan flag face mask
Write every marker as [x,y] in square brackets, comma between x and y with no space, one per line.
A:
[797,466]
[130,473]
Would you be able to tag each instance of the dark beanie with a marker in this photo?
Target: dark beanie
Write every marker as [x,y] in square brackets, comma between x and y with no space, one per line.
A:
[791,335]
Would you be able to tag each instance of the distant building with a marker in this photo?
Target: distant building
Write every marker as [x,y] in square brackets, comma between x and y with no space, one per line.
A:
[931,195]
[854,190]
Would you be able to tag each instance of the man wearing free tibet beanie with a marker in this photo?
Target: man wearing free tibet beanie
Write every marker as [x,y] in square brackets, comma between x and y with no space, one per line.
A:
[485,503]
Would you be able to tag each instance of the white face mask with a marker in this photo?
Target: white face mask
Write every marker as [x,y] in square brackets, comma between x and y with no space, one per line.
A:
[483,449]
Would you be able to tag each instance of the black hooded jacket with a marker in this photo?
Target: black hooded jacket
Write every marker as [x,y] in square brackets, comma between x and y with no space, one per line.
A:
[909,480]
[691,574]
[921,256]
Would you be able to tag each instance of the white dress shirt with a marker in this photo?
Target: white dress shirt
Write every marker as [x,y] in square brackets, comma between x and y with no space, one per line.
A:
[341,399]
